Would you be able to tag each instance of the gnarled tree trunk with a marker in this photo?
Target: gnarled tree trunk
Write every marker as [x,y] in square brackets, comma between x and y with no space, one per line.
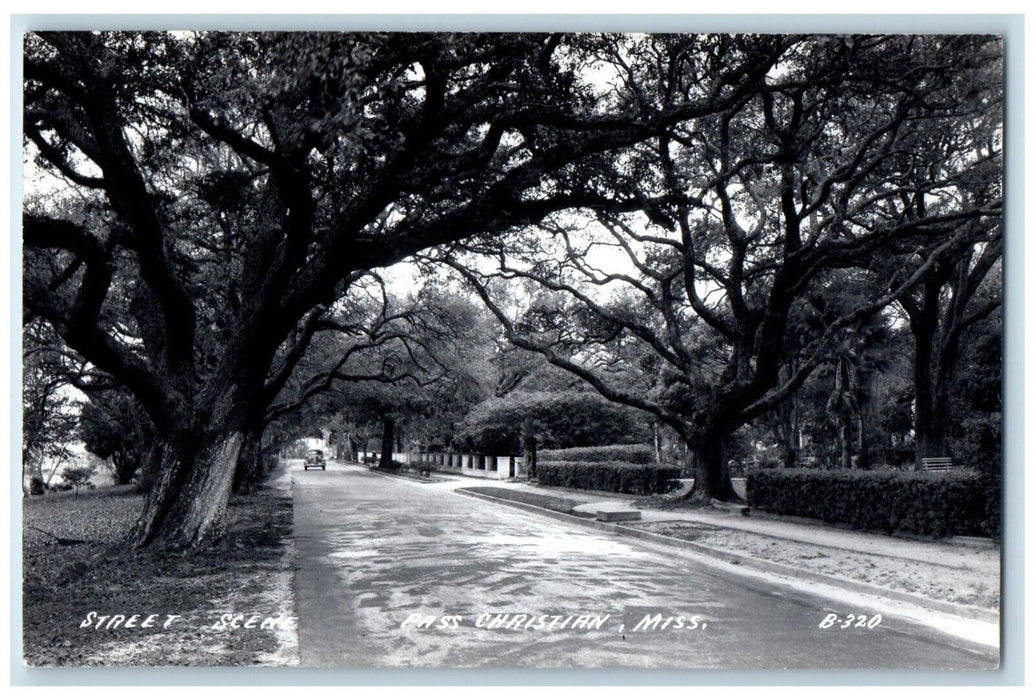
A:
[711,472]
[150,470]
[250,464]
[187,506]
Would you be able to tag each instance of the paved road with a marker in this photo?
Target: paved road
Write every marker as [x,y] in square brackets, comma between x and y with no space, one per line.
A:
[395,573]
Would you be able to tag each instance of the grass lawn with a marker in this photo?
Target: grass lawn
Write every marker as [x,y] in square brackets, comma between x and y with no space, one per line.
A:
[75,562]
[563,505]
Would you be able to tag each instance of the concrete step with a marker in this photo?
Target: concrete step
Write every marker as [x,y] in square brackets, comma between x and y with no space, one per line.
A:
[608,512]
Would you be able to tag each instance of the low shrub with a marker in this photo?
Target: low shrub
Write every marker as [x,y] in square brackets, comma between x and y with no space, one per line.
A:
[632,454]
[424,467]
[620,477]
[937,504]
[393,465]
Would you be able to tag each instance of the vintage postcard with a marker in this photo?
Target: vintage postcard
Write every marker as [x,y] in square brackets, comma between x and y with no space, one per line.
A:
[540,350]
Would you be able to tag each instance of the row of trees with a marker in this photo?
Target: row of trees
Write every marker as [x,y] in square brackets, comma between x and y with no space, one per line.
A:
[673,220]
[427,373]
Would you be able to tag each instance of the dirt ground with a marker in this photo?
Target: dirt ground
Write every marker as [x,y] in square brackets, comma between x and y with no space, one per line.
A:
[75,564]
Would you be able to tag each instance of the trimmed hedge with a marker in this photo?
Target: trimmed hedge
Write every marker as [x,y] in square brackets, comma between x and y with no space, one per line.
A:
[631,454]
[993,486]
[937,504]
[620,477]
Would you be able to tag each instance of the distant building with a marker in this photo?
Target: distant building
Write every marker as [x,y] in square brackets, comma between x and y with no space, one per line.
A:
[315,443]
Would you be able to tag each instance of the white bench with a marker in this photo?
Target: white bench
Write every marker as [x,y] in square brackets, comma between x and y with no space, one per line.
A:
[936,464]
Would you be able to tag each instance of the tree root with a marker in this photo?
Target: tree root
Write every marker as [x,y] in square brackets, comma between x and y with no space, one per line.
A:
[696,497]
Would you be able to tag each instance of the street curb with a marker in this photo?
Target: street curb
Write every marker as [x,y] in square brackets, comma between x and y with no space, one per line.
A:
[397,477]
[963,611]
[287,640]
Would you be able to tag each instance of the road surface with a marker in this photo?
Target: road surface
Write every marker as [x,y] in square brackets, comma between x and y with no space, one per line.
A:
[397,573]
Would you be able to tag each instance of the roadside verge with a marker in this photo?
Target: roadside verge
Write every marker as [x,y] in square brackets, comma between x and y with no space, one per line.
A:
[90,600]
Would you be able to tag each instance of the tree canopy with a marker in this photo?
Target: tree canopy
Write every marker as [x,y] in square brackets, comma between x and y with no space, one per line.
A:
[854,149]
[558,419]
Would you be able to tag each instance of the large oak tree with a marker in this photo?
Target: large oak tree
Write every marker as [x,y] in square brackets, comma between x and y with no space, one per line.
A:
[215,191]
[854,149]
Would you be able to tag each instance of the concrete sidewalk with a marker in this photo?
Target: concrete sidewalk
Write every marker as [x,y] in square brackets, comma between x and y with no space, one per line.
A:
[941,553]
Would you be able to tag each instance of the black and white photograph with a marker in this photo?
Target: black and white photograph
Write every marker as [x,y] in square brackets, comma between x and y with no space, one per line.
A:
[511,349]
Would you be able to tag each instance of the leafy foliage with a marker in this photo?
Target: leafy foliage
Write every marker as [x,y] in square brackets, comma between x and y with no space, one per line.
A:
[418,359]
[620,477]
[113,427]
[558,419]
[77,477]
[633,454]
[936,504]
[50,407]
[215,190]
[222,199]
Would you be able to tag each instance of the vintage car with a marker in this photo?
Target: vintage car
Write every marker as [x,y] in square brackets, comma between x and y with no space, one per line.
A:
[314,459]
